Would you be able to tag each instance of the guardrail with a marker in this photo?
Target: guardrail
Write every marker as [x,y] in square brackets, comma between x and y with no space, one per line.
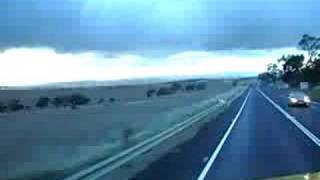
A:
[108,165]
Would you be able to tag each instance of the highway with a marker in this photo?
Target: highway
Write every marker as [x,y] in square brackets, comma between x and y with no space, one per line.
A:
[257,137]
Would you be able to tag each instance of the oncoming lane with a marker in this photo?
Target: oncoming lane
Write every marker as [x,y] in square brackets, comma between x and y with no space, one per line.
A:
[308,117]
[264,143]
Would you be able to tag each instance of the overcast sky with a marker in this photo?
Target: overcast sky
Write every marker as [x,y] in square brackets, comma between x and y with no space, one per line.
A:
[152,31]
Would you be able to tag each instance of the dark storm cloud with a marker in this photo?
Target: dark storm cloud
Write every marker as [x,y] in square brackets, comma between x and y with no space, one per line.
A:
[261,24]
[131,25]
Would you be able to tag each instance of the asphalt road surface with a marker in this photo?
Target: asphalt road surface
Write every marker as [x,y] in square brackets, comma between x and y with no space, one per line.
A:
[258,137]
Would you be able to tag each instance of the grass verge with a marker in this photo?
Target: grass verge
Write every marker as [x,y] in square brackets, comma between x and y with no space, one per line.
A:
[315,93]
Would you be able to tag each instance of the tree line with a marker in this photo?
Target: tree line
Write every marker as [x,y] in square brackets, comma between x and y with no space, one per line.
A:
[175,87]
[73,100]
[296,68]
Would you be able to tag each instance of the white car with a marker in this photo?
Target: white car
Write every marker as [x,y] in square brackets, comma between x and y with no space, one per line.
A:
[299,99]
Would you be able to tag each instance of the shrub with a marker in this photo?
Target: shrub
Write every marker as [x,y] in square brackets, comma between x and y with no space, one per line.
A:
[15,105]
[112,100]
[201,86]
[43,102]
[126,135]
[77,99]
[58,101]
[28,108]
[190,87]
[176,87]
[3,107]
[234,83]
[151,92]
[70,100]
[164,91]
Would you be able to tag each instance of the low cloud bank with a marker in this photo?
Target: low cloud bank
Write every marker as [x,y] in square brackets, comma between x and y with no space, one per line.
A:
[32,66]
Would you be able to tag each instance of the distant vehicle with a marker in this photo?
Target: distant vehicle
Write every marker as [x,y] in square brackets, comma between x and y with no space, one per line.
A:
[299,98]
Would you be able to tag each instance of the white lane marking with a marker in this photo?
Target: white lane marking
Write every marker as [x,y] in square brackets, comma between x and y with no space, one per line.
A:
[292,119]
[221,143]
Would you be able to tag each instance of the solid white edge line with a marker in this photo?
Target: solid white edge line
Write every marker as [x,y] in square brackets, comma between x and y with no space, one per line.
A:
[221,143]
[292,119]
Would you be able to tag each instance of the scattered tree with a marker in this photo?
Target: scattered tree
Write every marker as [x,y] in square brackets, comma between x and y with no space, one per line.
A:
[311,45]
[3,107]
[164,91]
[274,71]
[70,100]
[151,92]
[78,99]
[190,87]
[126,135]
[43,102]
[15,105]
[112,100]
[234,83]
[292,63]
[312,72]
[176,87]
[292,69]
[201,86]
[58,101]
[265,77]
